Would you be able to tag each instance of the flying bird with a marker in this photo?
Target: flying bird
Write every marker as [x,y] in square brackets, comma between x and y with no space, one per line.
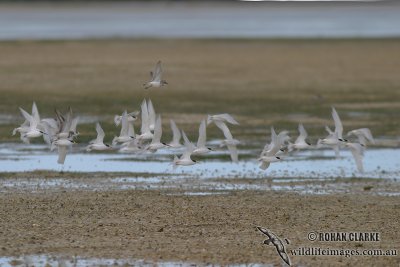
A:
[132,116]
[201,142]
[272,151]
[98,143]
[277,242]
[155,78]
[156,141]
[176,135]
[185,159]
[145,131]
[124,135]
[300,142]
[363,135]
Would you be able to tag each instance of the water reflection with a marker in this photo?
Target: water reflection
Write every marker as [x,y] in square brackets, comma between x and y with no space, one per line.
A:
[379,163]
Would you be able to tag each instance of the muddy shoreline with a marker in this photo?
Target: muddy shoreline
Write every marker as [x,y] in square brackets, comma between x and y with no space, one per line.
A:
[163,226]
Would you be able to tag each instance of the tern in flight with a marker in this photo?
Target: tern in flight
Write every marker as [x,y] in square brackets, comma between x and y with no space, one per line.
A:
[363,135]
[201,142]
[132,116]
[155,78]
[176,135]
[357,150]
[300,142]
[185,159]
[98,143]
[272,150]
[145,131]
[273,239]
[124,135]
[156,141]
[220,121]
[34,129]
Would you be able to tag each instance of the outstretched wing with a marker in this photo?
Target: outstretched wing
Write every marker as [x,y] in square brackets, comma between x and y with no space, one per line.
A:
[157,130]
[338,123]
[176,134]
[151,112]
[28,117]
[100,134]
[303,134]
[284,256]
[229,118]
[74,124]
[357,152]
[62,154]
[234,153]
[157,72]
[35,112]
[145,118]
[201,142]
[189,147]
[224,129]
[124,125]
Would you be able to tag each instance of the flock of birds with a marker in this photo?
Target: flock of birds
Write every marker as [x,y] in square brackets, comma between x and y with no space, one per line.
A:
[61,131]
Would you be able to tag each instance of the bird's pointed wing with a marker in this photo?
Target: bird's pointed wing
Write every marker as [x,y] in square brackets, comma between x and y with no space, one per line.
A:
[176,134]
[303,133]
[234,153]
[157,130]
[100,134]
[152,112]
[224,129]
[131,129]
[270,145]
[229,118]
[145,117]
[283,137]
[264,231]
[362,139]
[60,120]
[328,130]
[201,142]
[35,113]
[189,146]
[338,123]
[28,117]
[367,133]
[264,165]
[50,122]
[277,142]
[284,256]
[62,154]
[124,124]
[74,124]
[357,152]
[157,72]
[68,121]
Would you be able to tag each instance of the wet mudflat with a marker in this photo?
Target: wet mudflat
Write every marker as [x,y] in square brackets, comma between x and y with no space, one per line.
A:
[196,215]
[169,226]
